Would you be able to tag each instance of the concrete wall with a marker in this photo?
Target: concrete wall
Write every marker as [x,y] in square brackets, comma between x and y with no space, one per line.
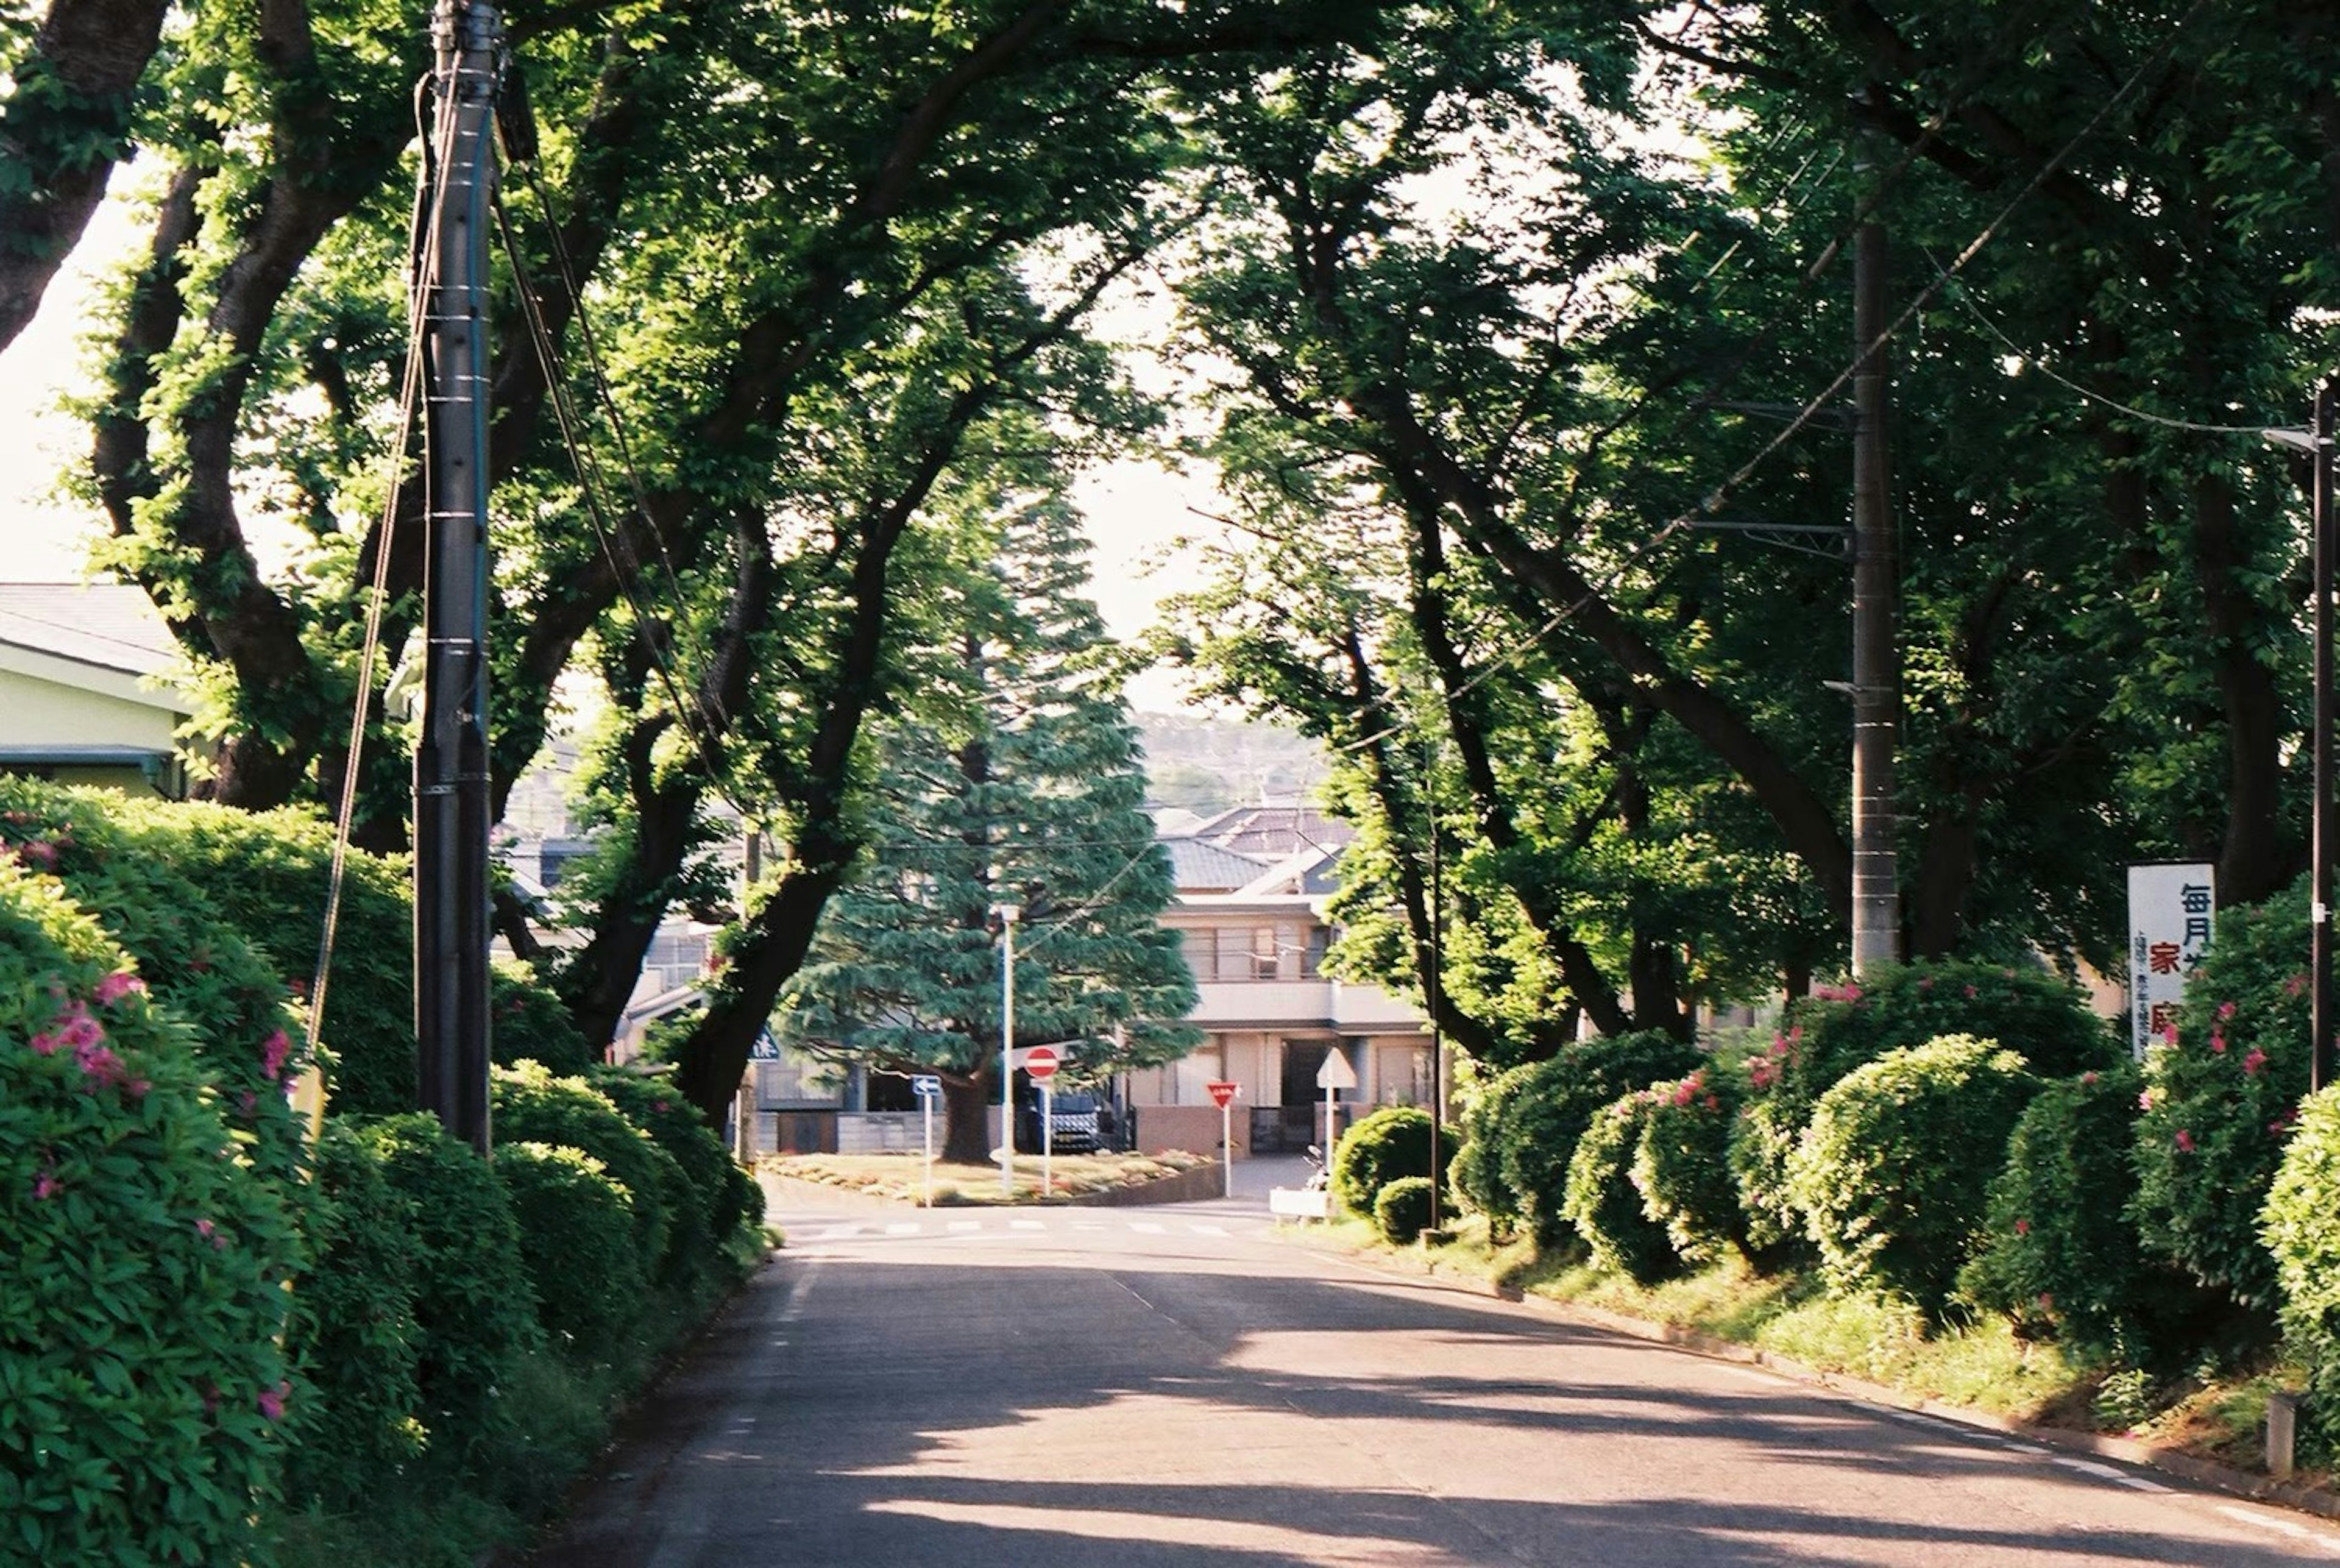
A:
[1192,1127]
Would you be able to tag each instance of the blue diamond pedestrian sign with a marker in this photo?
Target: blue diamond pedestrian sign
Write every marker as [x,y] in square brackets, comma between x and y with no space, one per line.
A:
[926,1086]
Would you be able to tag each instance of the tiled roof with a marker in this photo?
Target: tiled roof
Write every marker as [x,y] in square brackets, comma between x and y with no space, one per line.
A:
[1197,866]
[1269,833]
[111,625]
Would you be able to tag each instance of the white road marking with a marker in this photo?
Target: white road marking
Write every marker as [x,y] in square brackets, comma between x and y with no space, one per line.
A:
[2106,1473]
[1026,1224]
[1201,1229]
[961,1226]
[2266,1520]
[1911,1418]
[904,1227]
[1148,1227]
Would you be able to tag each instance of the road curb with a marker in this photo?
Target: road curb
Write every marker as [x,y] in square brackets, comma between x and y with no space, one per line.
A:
[2314,1500]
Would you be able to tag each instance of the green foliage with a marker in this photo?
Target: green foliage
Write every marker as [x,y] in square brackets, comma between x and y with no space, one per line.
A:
[1378,1149]
[577,1243]
[1894,1173]
[142,1261]
[2059,1248]
[1840,1027]
[1681,1167]
[186,953]
[1555,1102]
[529,1104]
[474,1313]
[2220,1098]
[2301,1231]
[1401,1210]
[1602,1201]
[354,1338]
[527,1023]
[721,1195]
[1476,1173]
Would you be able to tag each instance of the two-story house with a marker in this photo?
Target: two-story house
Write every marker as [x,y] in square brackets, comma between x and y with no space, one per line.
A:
[1252,884]
[84,698]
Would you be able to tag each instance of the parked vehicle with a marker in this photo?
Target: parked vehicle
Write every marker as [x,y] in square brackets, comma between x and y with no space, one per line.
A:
[1076,1124]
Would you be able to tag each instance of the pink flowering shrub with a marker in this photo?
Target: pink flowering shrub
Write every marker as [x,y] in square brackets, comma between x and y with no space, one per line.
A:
[1681,1167]
[2220,1098]
[142,1264]
[1602,1201]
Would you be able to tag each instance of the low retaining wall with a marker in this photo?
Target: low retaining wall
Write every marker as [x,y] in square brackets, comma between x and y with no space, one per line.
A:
[1196,1127]
[1202,1181]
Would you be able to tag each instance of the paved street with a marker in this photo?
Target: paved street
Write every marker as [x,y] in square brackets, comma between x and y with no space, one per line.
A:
[1179,1385]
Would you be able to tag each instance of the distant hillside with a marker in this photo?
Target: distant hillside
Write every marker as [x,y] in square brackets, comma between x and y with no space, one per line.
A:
[1207,765]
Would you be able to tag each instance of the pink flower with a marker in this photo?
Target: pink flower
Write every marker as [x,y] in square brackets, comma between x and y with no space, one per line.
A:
[1684,1092]
[2217,1043]
[274,1051]
[210,1233]
[2226,1011]
[2253,1062]
[249,1103]
[661,1106]
[2023,1227]
[2295,986]
[1925,982]
[272,1401]
[118,984]
[45,1186]
[2047,1301]
[81,1032]
[1971,993]
[44,1044]
[2169,1033]
[2090,1080]
[100,1067]
[1713,1104]
[2145,1101]
[2184,1141]
[39,852]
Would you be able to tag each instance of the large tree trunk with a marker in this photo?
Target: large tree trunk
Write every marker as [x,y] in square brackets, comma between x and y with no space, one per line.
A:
[967,1102]
[64,125]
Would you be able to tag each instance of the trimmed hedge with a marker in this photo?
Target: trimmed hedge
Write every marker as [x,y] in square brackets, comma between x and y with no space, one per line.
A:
[475,1314]
[1475,1174]
[1895,1172]
[2300,1227]
[1401,1209]
[577,1243]
[2059,1250]
[2220,1098]
[1603,1203]
[719,1196]
[142,1261]
[529,1104]
[353,1337]
[1681,1167]
[1391,1142]
[1556,1101]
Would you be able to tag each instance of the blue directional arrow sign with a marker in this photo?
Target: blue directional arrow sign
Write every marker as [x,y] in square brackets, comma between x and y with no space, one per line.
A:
[926,1086]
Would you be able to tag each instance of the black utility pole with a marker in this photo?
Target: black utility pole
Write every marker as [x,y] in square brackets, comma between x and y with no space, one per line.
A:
[451,923]
[1875,664]
[2320,849]
[1436,990]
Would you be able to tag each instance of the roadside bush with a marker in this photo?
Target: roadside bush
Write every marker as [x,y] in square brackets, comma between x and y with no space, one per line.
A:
[2059,1249]
[2220,1098]
[142,1261]
[246,1037]
[577,1243]
[1824,1036]
[1895,1172]
[1475,1174]
[1401,1209]
[529,1104]
[1391,1142]
[720,1194]
[1603,1203]
[2301,1229]
[354,1338]
[1555,1102]
[1681,1167]
[474,1312]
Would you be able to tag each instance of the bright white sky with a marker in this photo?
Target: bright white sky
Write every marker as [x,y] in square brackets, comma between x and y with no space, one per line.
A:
[1134,511]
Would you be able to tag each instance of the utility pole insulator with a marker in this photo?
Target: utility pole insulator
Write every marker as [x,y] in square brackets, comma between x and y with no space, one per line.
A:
[452,805]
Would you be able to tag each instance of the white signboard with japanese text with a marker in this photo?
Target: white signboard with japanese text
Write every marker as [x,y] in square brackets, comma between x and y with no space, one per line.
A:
[2169,909]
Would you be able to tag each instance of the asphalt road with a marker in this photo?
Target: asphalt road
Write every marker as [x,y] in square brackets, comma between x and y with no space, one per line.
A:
[1181,1386]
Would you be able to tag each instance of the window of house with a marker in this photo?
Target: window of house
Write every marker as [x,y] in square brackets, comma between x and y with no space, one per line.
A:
[1320,939]
[1201,948]
[1265,962]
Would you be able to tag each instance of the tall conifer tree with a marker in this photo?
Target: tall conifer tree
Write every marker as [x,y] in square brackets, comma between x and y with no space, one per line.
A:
[1011,777]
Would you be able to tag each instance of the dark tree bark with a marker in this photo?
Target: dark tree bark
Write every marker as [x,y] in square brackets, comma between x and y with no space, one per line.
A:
[64,125]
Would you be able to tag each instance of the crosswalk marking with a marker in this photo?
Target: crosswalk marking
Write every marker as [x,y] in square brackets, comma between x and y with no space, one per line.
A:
[960,1227]
[993,1227]
[1147,1228]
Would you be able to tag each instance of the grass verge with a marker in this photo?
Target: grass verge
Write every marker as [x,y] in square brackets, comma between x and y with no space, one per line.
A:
[903,1177]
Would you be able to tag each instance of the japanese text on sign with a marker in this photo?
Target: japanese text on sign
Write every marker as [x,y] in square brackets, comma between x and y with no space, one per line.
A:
[2169,914]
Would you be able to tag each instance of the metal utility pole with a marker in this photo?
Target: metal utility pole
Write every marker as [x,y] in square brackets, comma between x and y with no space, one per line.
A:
[1875,662]
[1008,914]
[452,922]
[2320,849]
[1436,988]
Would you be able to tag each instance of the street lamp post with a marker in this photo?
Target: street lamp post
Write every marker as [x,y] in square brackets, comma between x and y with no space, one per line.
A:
[1008,914]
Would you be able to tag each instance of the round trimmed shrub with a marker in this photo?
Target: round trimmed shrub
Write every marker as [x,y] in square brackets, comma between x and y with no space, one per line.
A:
[474,1311]
[353,1339]
[2025,1008]
[528,1024]
[2059,1250]
[577,1243]
[1393,1142]
[142,1263]
[2220,1098]
[1603,1203]
[1401,1209]
[2301,1230]
[1894,1173]
[716,1188]
[1555,1102]
[1475,1174]
[1681,1167]
[188,954]
[529,1104]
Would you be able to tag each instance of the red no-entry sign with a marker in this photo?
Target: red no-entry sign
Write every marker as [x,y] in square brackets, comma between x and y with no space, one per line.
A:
[1221,1093]
[1040,1062]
